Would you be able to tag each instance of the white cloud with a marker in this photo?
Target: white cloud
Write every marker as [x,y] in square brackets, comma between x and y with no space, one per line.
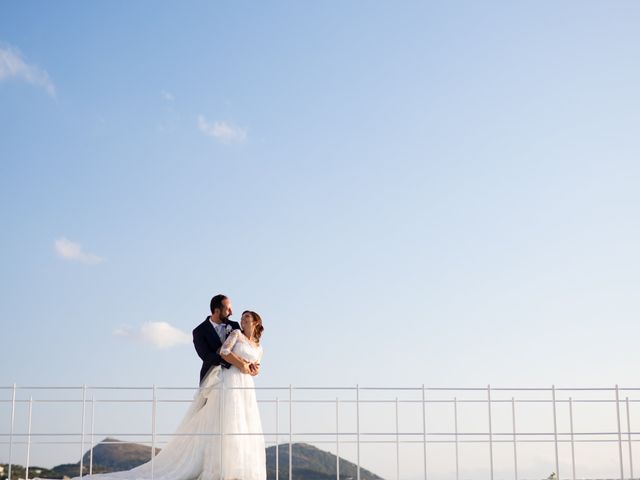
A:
[72,251]
[12,64]
[158,334]
[222,131]
[168,96]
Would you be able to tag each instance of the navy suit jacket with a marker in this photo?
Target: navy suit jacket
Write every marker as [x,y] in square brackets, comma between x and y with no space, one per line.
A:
[207,344]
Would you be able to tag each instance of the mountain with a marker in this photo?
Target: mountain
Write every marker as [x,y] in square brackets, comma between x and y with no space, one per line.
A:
[117,455]
[308,462]
[110,455]
[311,463]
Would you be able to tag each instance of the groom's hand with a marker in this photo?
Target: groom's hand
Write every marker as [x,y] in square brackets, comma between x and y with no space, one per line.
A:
[246,368]
[255,369]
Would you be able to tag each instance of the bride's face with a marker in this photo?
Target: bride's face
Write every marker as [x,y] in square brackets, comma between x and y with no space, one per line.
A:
[246,322]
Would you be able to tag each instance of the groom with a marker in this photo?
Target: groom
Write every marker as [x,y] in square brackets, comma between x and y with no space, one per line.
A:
[209,336]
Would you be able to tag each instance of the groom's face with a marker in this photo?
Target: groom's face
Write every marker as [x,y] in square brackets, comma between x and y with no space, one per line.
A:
[225,311]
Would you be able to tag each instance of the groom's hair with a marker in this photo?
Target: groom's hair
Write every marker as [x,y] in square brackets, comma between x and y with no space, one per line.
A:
[216,302]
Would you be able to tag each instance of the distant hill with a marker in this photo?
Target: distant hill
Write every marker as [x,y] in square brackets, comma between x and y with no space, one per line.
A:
[110,455]
[117,455]
[70,470]
[308,462]
[311,463]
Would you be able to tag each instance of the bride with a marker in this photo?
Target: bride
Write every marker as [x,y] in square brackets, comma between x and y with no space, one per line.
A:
[226,403]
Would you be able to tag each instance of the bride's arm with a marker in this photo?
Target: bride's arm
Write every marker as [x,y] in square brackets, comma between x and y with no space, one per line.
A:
[235,360]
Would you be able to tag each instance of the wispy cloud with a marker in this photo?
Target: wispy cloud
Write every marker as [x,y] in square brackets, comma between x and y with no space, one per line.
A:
[157,334]
[13,65]
[74,252]
[222,131]
[168,96]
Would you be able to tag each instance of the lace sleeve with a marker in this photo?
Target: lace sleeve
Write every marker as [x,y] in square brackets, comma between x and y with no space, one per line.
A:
[228,344]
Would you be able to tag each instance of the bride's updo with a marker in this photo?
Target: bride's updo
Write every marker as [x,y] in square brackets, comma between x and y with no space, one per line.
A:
[257,325]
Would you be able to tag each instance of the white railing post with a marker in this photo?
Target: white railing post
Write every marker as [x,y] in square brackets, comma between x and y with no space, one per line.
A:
[424,430]
[13,418]
[337,438]
[397,443]
[26,468]
[290,432]
[515,442]
[555,431]
[93,416]
[455,426]
[154,404]
[490,430]
[629,439]
[277,439]
[84,406]
[358,431]
[619,434]
[221,436]
[573,451]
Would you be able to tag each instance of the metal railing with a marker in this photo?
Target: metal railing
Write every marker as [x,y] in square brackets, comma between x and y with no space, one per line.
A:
[500,428]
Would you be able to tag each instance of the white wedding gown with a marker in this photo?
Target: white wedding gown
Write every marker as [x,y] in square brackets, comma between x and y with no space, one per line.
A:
[240,456]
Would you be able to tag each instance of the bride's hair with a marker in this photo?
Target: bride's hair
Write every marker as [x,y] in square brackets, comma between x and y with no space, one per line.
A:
[257,325]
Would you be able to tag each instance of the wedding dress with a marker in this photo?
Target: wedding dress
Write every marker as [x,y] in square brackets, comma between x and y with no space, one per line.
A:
[226,398]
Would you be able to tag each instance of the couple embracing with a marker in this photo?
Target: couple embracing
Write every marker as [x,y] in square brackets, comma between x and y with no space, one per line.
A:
[220,436]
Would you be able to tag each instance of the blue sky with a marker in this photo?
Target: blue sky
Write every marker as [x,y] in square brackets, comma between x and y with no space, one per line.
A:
[408,193]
